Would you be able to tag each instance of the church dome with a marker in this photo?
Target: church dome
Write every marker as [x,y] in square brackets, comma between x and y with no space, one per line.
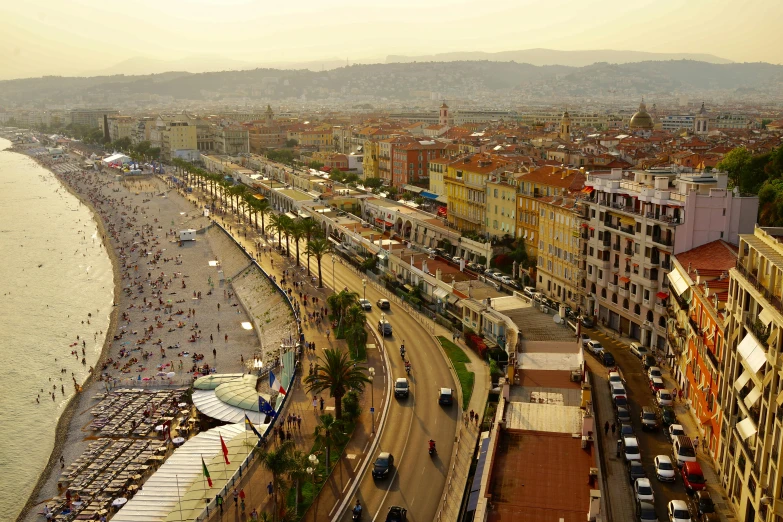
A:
[641,118]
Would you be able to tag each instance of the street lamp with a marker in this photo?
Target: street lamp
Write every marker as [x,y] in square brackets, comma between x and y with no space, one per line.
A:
[364,288]
[371,370]
[334,286]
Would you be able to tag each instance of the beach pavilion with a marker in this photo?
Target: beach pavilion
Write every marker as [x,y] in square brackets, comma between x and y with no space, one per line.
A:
[116,158]
[228,397]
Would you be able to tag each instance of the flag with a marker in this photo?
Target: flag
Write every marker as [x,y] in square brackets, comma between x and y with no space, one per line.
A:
[224,449]
[205,472]
[266,408]
[275,384]
[249,425]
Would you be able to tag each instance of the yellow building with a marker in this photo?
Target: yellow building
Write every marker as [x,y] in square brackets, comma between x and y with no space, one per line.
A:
[178,136]
[370,163]
[465,183]
[501,210]
[121,127]
[437,168]
[542,182]
[559,248]
[318,138]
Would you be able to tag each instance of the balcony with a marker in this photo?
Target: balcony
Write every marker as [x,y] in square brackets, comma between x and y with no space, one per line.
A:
[666,265]
[606,242]
[628,230]
[694,326]
[585,234]
[637,297]
[603,263]
[661,240]
[631,211]
[616,247]
[660,309]
[628,251]
[622,291]
[611,287]
[593,277]
[609,224]
[769,296]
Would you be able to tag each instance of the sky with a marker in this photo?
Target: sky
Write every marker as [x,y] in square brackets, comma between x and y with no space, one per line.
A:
[78,37]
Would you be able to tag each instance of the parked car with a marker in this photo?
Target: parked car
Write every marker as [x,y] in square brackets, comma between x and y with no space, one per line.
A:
[675,430]
[664,397]
[515,285]
[649,418]
[506,279]
[626,429]
[621,401]
[606,358]
[668,417]
[383,304]
[456,259]
[616,377]
[639,350]
[678,511]
[588,322]
[642,490]
[365,304]
[383,465]
[594,347]
[617,390]
[397,514]
[648,361]
[401,388]
[623,415]
[529,291]
[664,469]
[693,477]
[635,470]
[645,511]
[631,448]
[703,508]
[656,383]
[654,371]
[683,450]
[585,339]
[446,397]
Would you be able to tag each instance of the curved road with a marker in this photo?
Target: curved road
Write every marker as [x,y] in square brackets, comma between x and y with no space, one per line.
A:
[417,480]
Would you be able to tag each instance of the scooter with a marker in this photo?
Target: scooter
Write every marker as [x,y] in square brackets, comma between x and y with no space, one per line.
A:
[402,352]
[356,513]
[408,368]
[432,450]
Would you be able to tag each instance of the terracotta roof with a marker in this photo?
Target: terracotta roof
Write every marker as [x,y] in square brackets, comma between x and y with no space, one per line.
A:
[552,176]
[716,255]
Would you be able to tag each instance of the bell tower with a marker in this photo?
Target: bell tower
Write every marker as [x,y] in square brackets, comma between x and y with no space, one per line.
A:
[565,127]
[443,118]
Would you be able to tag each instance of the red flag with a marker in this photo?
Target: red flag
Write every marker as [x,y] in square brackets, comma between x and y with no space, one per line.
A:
[224,448]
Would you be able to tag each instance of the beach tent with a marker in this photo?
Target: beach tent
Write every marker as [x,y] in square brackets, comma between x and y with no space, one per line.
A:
[116,158]
[229,398]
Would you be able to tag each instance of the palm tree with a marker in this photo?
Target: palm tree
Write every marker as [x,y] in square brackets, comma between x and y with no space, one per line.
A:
[310,228]
[276,225]
[287,224]
[277,461]
[318,248]
[263,208]
[297,234]
[354,330]
[342,301]
[239,192]
[328,433]
[337,373]
[297,474]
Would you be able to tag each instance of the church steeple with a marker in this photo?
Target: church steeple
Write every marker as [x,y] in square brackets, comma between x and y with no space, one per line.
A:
[269,114]
[565,127]
[443,118]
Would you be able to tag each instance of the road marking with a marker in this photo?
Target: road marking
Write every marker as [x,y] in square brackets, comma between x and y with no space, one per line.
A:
[350,456]
[346,487]
[336,503]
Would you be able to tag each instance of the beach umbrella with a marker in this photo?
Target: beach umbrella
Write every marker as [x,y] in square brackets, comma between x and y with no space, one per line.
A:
[171,375]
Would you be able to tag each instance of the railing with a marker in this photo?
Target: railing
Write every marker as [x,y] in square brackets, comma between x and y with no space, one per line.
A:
[616,247]
[665,265]
[628,251]
[662,241]
[769,296]
[628,230]
[757,328]
[611,225]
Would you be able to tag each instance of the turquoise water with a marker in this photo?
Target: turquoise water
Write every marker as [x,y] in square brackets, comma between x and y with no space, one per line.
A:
[54,271]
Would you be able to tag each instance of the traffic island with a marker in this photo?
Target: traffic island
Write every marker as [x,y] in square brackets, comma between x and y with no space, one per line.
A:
[459,359]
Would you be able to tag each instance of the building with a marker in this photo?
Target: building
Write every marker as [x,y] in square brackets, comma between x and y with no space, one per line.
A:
[465,184]
[751,391]
[701,122]
[386,154]
[677,122]
[232,140]
[410,160]
[437,170]
[121,127]
[500,218]
[641,120]
[88,117]
[636,222]
[565,127]
[178,140]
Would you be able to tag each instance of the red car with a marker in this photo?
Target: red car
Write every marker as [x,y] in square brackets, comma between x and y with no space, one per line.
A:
[692,477]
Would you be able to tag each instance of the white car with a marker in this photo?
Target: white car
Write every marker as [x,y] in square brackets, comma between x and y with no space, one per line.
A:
[456,259]
[639,350]
[595,347]
[654,371]
[643,490]
[365,304]
[664,397]
[506,279]
[585,339]
[631,449]
[615,377]
[664,469]
[675,430]
[678,511]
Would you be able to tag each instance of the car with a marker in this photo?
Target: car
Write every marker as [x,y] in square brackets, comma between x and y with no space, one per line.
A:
[656,383]
[643,490]
[702,507]
[631,448]
[383,304]
[515,285]
[588,322]
[384,327]
[617,389]
[649,418]
[668,417]
[635,470]
[648,361]
[621,401]
[693,477]
[446,397]
[674,430]
[664,397]
[626,429]
[506,279]
[623,415]
[683,450]
[645,511]
[456,259]
[401,388]
[529,291]
[616,377]
[638,350]
[365,304]
[397,514]
[678,511]
[594,347]
[585,339]
[664,469]
[383,465]
[606,358]
[654,371]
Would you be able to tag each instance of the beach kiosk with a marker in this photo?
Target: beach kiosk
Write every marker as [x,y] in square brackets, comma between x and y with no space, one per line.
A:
[187,235]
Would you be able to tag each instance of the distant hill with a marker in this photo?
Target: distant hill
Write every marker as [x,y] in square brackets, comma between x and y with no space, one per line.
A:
[405,82]
[553,57]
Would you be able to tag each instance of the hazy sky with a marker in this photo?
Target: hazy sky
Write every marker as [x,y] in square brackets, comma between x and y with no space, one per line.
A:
[39,37]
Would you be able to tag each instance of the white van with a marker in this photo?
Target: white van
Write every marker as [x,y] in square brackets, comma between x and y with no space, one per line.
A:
[618,390]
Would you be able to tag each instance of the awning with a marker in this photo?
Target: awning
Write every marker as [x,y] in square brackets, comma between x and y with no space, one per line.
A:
[525,236]
[378,220]
[627,221]
[662,295]
[428,195]
[765,317]
[752,352]
[746,428]
[588,190]
[412,188]
[742,380]
[624,279]
[592,228]
[752,397]
[389,223]
[636,264]
[290,215]
[441,294]
[677,282]
[584,225]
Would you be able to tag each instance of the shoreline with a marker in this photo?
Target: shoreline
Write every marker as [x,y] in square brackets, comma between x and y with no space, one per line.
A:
[64,422]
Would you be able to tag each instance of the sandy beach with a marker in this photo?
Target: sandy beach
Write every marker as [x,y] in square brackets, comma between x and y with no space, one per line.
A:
[171,303]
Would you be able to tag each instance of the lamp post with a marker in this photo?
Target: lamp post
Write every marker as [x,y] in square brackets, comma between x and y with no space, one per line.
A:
[364,288]
[334,286]
[371,378]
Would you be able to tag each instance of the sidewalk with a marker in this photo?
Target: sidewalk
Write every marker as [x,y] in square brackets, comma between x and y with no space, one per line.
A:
[299,403]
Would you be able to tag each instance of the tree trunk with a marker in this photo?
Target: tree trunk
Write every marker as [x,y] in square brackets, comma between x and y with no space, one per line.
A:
[320,279]
[338,406]
[297,254]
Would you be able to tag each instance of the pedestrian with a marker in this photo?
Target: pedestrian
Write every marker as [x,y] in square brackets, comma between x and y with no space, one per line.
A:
[218,307]
[210,339]
[299,423]
[696,444]
[465,419]
[214,353]
[680,394]
[606,428]
[226,337]
[269,487]
[476,418]
[219,501]
[471,415]
[218,327]
[236,497]
[613,428]
[674,394]
[321,400]
[315,404]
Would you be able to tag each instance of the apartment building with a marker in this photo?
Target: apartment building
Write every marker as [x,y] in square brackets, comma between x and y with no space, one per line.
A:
[437,169]
[121,127]
[465,183]
[696,333]
[500,217]
[386,154]
[637,221]
[142,129]
[178,140]
[88,117]
[558,269]
[410,160]
[751,391]
[232,140]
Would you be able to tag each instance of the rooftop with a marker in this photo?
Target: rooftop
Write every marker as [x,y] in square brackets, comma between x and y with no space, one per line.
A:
[716,255]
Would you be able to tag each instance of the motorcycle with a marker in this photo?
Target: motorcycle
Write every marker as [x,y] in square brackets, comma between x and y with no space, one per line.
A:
[402,352]
[432,450]
[356,513]
[408,368]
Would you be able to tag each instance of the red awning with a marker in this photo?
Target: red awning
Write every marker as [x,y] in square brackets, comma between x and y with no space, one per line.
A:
[389,224]
[662,295]
[591,228]
[636,264]
[627,259]
[624,279]
[378,220]
[630,240]
[584,225]
[588,190]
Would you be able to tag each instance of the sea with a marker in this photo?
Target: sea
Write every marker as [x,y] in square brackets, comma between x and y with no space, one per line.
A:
[56,283]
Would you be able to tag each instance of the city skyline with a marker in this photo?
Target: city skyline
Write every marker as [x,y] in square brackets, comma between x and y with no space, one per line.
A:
[54,39]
